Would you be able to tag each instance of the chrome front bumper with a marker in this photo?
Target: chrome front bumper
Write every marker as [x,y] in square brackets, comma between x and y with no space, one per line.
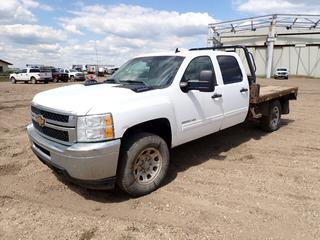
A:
[82,162]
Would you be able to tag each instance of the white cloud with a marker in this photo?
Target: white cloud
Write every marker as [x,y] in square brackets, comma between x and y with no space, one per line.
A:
[13,11]
[259,7]
[71,28]
[123,31]
[35,4]
[31,34]
[136,21]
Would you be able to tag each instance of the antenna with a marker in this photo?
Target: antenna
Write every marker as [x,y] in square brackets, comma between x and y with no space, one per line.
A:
[95,46]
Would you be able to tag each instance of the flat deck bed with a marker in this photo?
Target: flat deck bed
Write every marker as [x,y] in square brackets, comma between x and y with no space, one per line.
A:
[268,93]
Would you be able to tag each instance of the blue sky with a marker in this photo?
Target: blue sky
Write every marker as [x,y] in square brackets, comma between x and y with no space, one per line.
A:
[62,33]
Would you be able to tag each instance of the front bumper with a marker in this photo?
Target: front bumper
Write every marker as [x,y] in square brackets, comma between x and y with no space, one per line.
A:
[93,165]
[279,75]
[79,78]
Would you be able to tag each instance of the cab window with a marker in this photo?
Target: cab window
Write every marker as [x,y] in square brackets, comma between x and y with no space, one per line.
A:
[230,69]
[23,71]
[197,65]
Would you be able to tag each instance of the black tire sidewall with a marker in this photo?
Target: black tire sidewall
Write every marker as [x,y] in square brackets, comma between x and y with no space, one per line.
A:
[13,80]
[132,148]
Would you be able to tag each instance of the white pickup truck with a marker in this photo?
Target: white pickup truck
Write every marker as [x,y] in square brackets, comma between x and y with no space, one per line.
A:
[120,131]
[33,75]
[74,75]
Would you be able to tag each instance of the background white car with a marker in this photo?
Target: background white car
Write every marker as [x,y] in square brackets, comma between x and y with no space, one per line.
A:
[281,73]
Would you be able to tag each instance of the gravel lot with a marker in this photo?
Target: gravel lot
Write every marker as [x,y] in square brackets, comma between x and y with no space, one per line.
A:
[240,183]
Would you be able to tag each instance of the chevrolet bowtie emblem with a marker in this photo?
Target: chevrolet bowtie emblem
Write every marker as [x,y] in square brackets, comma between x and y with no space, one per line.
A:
[40,120]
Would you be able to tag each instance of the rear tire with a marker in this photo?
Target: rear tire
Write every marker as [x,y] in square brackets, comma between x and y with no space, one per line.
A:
[13,80]
[143,164]
[272,121]
[33,80]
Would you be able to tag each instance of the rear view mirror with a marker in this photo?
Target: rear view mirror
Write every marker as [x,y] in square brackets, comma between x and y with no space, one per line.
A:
[206,83]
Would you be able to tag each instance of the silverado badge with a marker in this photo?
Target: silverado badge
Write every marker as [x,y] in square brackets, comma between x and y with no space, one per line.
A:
[40,120]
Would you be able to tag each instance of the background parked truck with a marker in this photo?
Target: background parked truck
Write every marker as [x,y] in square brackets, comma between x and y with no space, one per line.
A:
[31,75]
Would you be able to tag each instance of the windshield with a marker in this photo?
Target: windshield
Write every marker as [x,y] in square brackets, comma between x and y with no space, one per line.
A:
[281,69]
[154,72]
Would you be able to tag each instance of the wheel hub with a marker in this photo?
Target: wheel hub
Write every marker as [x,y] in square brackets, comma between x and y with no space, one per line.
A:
[147,165]
[275,116]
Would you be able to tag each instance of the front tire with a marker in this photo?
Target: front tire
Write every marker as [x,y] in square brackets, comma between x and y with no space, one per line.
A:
[13,80]
[143,164]
[72,78]
[272,121]
[33,80]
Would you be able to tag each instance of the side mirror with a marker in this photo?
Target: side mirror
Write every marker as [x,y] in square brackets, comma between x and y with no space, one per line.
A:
[206,83]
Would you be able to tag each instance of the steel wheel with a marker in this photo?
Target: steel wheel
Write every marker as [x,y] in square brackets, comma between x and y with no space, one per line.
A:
[271,121]
[33,80]
[275,117]
[147,165]
[143,164]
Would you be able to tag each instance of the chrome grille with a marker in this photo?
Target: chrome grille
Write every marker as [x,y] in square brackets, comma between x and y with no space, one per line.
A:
[51,132]
[59,127]
[50,115]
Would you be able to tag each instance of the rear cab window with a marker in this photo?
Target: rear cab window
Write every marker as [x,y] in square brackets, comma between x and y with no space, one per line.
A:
[230,69]
[34,70]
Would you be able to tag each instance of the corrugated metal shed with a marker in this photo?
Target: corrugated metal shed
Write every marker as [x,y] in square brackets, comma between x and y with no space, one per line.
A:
[277,40]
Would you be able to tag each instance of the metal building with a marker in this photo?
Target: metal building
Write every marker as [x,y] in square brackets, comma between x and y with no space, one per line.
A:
[4,66]
[277,40]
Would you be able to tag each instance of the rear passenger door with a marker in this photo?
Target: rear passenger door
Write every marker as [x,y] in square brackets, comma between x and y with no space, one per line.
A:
[235,90]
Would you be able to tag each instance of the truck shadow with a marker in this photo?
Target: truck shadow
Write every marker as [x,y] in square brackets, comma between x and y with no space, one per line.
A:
[212,147]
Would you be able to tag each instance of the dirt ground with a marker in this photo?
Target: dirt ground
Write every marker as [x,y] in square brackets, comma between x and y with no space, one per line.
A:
[240,183]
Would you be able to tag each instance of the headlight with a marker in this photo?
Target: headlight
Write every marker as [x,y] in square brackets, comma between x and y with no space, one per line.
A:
[94,128]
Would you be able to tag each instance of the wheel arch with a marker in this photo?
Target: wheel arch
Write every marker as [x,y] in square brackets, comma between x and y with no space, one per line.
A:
[159,126]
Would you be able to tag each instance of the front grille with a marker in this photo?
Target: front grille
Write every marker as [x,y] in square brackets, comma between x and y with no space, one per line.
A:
[51,132]
[50,115]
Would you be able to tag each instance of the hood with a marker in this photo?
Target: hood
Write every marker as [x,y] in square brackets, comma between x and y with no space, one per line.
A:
[79,99]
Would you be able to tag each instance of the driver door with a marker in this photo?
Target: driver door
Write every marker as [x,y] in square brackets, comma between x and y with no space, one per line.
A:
[197,113]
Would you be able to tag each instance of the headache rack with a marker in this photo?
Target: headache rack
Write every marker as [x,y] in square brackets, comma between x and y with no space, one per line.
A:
[232,48]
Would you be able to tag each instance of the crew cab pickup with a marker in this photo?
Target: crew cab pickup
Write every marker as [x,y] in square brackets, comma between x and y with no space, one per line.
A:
[33,75]
[119,131]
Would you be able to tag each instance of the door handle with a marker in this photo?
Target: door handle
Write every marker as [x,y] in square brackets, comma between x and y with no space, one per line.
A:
[243,90]
[216,95]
